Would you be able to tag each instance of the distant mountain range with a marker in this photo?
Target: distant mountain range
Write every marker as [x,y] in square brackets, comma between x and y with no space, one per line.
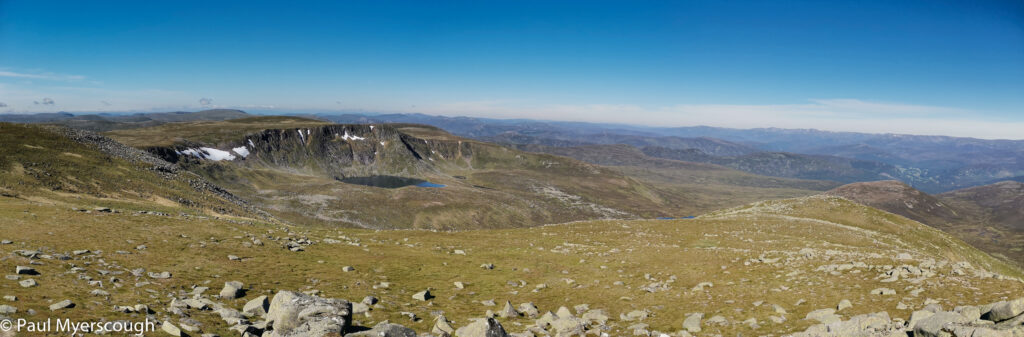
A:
[107,122]
[933,164]
[930,163]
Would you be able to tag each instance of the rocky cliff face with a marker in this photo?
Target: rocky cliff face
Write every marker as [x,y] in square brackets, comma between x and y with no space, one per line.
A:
[333,150]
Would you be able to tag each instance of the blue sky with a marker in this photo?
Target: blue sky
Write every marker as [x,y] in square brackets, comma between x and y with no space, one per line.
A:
[945,67]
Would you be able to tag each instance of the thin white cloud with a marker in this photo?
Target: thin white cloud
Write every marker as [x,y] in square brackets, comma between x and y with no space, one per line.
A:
[41,76]
[856,106]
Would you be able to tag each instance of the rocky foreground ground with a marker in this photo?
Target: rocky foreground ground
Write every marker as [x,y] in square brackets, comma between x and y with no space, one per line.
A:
[819,266]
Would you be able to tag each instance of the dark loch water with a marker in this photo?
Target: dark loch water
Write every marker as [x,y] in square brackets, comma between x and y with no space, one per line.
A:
[389,182]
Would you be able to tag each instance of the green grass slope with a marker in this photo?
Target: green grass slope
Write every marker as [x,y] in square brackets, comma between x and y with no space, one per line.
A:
[798,254]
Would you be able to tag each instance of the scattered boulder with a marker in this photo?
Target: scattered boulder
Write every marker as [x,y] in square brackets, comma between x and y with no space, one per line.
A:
[422,296]
[232,290]
[883,291]
[65,304]
[256,307]
[23,270]
[692,322]
[293,314]
[170,329]
[568,326]
[563,312]
[546,319]
[529,310]
[718,320]
[360,308]
[160,276]
[508,311]
[635,315]
[483,327]
[28,283]
[442,327]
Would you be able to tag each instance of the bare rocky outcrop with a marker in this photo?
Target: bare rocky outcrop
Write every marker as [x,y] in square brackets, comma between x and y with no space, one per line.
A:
[997,319]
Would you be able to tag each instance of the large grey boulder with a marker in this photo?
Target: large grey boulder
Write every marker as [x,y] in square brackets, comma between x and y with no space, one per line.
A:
[256,307]
[1006,310]
[170,329]
[484,327]
[933,325]
[293,314]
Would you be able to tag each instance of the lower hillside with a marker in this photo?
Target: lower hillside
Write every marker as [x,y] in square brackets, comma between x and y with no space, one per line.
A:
[62,166]
[987,217]
[769,268]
